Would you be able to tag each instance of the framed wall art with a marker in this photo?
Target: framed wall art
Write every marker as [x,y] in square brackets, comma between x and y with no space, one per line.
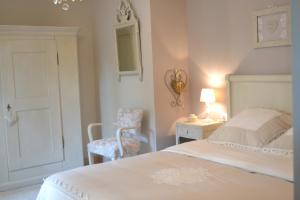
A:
[272,27]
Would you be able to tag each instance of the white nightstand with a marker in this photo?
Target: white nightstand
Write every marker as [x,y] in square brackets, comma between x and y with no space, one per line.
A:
[189,131]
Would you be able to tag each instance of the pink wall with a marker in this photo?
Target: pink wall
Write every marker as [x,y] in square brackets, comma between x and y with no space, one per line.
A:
[170,49]
[221,42]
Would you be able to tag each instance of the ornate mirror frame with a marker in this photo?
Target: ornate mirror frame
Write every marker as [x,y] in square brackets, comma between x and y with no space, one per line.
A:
[126,19]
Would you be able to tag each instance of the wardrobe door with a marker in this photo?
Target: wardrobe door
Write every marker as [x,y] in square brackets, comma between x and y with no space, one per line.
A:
[31,103]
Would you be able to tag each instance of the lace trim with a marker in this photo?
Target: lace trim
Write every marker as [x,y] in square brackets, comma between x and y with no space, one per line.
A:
[280,152]
[237,146]
[67,188]
[274,151]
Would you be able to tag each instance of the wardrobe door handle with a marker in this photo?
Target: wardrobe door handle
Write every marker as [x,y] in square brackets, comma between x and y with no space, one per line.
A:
[8,107]
[10,117]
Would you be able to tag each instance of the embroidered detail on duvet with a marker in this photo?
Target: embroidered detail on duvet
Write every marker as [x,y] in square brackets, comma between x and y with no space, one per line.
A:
[236,146]
[67,188]
[279,152]
[180,176]
[266,150]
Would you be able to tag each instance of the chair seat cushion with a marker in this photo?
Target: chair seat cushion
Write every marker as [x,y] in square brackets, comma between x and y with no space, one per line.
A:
[109,147]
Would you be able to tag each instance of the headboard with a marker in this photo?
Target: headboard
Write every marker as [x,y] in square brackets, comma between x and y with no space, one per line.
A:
[264,91]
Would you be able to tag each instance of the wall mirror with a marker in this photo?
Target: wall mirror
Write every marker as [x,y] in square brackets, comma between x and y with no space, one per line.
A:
[127,39]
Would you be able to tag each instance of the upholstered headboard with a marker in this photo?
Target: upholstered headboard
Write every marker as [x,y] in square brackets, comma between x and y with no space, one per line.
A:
[265,91]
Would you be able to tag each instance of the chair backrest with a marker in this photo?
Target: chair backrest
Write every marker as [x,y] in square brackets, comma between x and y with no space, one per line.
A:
[130,118]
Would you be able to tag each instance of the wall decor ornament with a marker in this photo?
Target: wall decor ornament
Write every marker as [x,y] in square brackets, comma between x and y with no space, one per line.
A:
[125,13]
[65,4]
[176,81]
[272,27]
[127,41]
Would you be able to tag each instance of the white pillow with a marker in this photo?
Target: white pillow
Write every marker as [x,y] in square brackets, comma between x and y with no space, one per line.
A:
[285,141]
[252,127]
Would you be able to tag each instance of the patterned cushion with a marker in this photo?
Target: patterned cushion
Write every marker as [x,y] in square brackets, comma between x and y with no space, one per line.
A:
[130,118]
[109,147]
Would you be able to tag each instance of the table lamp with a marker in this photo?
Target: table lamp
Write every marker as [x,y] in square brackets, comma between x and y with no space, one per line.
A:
[208,97]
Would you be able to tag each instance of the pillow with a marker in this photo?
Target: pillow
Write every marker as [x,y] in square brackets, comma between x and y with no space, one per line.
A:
[252,127]
[282,145]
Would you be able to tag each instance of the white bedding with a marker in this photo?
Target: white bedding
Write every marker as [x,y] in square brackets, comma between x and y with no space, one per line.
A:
[195,170]
[252,161]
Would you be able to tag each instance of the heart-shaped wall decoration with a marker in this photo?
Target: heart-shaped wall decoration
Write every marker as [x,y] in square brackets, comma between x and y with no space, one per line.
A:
[176,82]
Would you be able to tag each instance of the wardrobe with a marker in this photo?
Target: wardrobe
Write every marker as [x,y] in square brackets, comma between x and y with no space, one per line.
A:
[40,125]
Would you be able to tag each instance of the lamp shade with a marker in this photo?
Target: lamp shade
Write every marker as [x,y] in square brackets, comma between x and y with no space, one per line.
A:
[207,95]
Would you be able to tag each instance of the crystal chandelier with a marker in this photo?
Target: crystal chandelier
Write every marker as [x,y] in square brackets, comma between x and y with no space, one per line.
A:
[65,4]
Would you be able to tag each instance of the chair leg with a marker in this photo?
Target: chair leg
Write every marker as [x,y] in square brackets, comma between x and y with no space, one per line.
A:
[91,158]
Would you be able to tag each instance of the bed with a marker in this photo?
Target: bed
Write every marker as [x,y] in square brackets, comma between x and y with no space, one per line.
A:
[195,170]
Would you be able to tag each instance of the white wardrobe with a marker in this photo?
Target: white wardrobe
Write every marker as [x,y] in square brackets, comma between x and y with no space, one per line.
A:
[40,125]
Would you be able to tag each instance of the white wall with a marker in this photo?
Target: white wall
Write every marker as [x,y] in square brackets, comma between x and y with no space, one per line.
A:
[170,50]
[129,92]
[44,13]
[164,46]
[296,80]
[221,42]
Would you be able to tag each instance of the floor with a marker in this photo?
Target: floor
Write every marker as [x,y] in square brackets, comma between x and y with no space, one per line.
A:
[28,193]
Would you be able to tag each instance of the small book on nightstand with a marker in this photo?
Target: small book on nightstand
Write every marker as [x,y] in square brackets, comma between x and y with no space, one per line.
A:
[199,129]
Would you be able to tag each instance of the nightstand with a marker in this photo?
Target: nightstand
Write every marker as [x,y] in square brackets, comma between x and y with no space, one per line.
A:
[189,131]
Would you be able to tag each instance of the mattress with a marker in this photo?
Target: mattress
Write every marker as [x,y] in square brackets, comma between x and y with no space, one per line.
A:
[195,170]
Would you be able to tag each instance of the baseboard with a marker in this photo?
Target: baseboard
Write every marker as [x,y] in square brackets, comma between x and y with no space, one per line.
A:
[20,184]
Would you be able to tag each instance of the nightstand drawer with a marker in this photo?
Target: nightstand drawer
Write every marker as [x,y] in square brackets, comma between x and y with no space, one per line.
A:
[191,132]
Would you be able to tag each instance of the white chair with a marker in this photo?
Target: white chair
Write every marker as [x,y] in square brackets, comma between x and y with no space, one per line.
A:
[126,141]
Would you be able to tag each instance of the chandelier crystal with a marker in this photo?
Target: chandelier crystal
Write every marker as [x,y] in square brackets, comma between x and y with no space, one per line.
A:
[65,4]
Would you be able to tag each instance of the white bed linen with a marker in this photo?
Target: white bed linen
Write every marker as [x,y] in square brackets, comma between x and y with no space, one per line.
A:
[181,172]
[252,161]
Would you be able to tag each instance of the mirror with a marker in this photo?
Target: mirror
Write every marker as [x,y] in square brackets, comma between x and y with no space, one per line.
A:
[127,42]
[126,49]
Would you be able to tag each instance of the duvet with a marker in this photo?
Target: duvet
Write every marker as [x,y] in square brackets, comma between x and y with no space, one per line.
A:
[193,171]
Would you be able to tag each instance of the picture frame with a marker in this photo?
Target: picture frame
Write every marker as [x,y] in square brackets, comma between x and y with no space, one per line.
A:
[272,27]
